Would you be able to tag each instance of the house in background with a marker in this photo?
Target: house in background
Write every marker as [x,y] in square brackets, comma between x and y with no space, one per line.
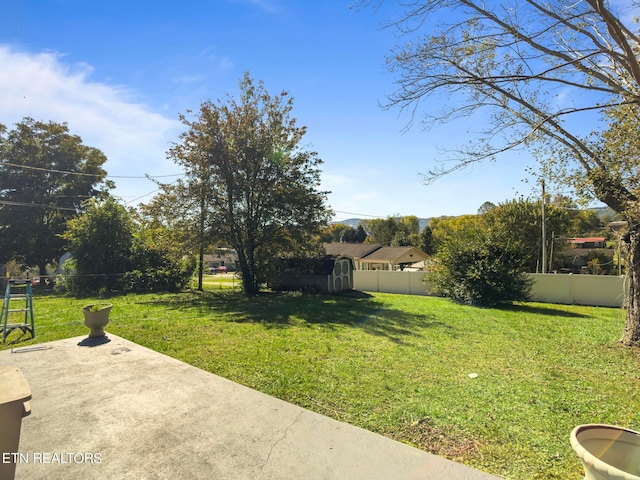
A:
[373,256]
[393,258]
[355,251]
[581,249]
[587,242]
[222,257]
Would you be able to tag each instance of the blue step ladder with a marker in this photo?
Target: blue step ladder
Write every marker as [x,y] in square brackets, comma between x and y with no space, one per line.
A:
[7,308]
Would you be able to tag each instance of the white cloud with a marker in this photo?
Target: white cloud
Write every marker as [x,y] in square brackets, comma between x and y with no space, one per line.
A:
[221,62]
[331,181]
[266,5]
[188,79]
[44,87]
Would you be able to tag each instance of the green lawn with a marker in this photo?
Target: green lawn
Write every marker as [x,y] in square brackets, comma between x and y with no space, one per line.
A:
[399,365]
[219,281]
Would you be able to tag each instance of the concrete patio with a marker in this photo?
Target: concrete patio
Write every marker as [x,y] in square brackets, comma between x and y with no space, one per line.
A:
[116,410]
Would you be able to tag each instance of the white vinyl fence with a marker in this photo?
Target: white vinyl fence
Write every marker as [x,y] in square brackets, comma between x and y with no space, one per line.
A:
[596,290]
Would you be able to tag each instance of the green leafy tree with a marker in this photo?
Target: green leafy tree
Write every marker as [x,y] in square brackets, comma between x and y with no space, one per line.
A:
[409,224]
[259,186]
[168,224]
[101,244]
[341,233]
[115,249]
[400,239]
[467,227]
[426,241]
[361,234]
[158,258]
[45,175]
[485,207]
[397,230]
[181,214]
[587,223]
[583,222]
[519,222]
[380,230]
[539,71]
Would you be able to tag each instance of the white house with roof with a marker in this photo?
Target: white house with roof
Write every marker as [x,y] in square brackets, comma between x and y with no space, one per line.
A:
[373,256]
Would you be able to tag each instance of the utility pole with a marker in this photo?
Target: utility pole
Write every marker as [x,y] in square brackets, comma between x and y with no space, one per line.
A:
[201,246]
[544,233]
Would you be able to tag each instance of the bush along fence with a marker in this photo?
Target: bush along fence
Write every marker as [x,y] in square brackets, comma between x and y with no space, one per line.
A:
[594,290]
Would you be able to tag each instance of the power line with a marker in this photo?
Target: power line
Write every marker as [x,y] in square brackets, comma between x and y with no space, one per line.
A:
[142,196]
[66,172]
[35,205]
[359,214]
[147,194]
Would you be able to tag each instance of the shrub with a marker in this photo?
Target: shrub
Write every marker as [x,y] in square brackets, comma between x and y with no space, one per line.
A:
[480,272]
[159,280]
[599,263]
[110,254]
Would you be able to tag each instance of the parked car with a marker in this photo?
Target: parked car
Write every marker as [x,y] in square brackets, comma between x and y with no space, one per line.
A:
[222,269]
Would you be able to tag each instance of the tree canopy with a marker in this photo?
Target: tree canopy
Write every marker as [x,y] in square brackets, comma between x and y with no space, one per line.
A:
[101,242]
[45,175]
[519,223]
[396,230]
[535,73]
[342,233]
[255,185]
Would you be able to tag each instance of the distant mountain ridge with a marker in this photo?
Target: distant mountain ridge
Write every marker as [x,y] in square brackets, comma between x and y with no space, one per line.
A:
[353,222]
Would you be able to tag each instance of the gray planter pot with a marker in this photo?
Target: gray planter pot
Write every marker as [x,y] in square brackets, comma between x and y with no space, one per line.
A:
[607,452]
[96,320]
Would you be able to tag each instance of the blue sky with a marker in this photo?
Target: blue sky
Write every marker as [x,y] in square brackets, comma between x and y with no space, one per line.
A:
[119,73]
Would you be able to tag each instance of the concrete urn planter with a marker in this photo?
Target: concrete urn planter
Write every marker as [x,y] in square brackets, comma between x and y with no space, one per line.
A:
[607,452]
[96,317]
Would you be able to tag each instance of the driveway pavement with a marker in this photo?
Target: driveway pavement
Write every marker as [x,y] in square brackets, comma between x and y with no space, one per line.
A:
[117,410]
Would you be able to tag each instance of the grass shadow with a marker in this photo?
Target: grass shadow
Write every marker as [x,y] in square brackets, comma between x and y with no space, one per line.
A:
[14,338]
[283,310]
[540,310]
[397,324]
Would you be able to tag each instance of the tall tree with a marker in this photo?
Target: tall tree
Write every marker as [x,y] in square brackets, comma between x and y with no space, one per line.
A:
[360,235]
[485,207]
[380,230]
[260,186]
[45,175]
[426,241]
[181,210]
[396,230]
[341,233]
[519,223]
[540,70]
[466,227]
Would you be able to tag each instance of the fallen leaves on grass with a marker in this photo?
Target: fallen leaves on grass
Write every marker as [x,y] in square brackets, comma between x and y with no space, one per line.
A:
[439,440]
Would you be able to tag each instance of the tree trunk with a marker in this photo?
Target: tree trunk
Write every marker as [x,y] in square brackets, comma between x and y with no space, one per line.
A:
[249,280]
[200,268]
[631,334]
[249,283]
